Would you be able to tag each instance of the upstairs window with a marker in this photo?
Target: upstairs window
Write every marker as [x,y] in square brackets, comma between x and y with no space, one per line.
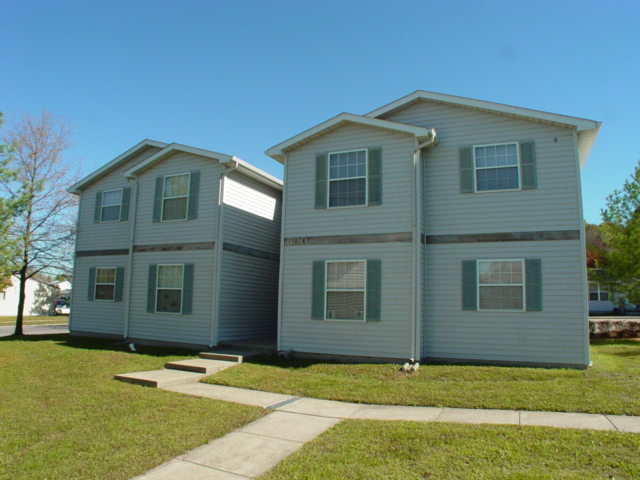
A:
[111,205]
[105,286]
[496,167]
[501,284]
[348,178]
[175,197]
[346,289]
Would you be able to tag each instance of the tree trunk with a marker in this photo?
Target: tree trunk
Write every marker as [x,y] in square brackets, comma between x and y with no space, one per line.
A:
[21,295]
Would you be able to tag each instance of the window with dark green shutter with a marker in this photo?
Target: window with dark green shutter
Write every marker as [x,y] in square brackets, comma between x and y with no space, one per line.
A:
[528,165]
[317,290]
[374,290]
[321,180]
[170,288]
[502,285]
[348,178]
[105,283]
[346,290]
[124,209]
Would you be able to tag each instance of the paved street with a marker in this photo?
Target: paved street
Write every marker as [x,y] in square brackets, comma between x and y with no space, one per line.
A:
[36,330]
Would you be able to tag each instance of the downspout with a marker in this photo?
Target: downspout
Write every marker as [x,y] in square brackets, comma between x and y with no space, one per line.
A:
[283,217]
[132,235]
[416,334]
[228,167]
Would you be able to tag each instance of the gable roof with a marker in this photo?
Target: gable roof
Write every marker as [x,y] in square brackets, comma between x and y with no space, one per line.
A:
[223,158]
[119,160]
[586,129]
[278,151]
[166,149]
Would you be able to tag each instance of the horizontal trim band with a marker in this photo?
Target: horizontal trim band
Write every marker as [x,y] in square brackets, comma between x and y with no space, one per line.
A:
[102,253]
[544,235]
[348,239]
[173,247]
[251,252]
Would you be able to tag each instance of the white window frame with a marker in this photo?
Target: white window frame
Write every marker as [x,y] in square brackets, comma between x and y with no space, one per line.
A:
[172,288]
[475,168]
[186,211]
[103,206]
[96,283]
[523,284]
[327,290]
[366,177]
[600,292]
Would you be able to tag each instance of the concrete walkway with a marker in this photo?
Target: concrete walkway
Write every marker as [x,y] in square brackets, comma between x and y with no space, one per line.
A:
[254,449]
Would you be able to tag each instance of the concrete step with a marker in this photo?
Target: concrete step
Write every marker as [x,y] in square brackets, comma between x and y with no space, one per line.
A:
[200,365]
[159,378]
[237,357]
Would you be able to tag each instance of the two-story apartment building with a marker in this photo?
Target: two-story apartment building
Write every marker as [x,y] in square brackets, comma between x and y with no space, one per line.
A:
[176,244]
[436,227]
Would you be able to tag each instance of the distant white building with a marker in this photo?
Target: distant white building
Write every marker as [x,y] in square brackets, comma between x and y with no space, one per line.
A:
[39,297]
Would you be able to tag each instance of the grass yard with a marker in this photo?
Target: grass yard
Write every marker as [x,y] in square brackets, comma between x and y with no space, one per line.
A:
[35,320]
[610,386]
[62,415]
[364,449]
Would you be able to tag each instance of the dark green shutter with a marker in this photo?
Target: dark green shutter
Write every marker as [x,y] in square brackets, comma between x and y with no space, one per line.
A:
[375,176]
[469,285]
[194,188]
[151,288]
[321,180]
[117,296]
[124,208]
[533,279]
[157,199]
[467,171]
[187,289]
[374,290]
[317,294]
[91,294]
[98,209]
[528,165]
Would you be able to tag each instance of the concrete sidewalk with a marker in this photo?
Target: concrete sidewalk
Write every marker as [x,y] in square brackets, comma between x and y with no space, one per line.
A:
[256,448]
[345,410]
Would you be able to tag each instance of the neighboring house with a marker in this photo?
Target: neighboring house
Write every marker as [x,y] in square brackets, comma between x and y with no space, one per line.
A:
[436,227]
[176,244]
[40,295]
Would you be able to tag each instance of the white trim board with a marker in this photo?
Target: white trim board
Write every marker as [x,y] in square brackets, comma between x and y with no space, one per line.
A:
[278,151]
[585,128]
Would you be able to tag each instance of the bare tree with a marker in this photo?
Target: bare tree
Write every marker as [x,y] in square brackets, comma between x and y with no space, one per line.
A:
[44,230]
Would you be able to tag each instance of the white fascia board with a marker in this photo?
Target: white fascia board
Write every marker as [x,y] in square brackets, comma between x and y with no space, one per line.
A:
[277,151]
[223,158]
[175,147]
[257,174]
[579,124]
[76,187]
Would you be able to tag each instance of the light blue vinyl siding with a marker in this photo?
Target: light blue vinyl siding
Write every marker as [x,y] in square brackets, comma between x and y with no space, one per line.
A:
[98,316]
[194,328]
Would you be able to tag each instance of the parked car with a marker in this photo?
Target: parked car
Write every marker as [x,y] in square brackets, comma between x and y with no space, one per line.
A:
[62,306]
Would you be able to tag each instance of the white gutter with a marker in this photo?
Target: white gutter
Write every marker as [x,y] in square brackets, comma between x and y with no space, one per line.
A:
[217,268]
[132,234]
[416,333]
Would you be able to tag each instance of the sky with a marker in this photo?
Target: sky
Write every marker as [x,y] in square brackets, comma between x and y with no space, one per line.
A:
[240,76]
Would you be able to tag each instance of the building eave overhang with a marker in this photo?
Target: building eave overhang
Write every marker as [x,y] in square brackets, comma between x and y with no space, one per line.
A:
[277,152]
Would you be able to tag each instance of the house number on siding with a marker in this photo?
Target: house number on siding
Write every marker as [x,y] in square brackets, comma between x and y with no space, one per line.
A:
[296,241]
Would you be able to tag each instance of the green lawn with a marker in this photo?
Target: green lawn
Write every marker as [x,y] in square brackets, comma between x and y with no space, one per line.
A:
[610,386]
[35,320]
[62,416]
[370,450]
